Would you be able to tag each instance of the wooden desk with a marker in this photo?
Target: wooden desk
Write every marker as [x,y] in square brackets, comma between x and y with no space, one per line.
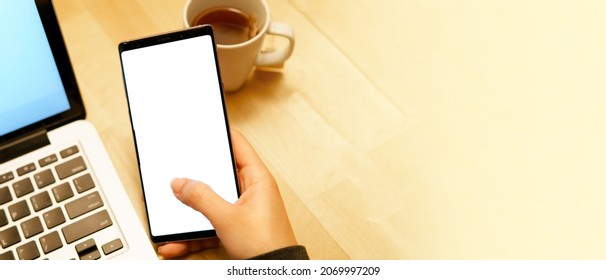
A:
[403,129]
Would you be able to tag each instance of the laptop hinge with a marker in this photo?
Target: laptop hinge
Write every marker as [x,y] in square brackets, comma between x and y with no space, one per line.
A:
[23,145]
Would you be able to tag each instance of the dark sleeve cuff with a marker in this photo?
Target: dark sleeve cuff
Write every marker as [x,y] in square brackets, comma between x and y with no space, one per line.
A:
[296,252]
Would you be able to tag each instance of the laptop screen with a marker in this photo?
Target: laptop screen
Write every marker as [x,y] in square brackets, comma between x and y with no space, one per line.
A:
[31,88]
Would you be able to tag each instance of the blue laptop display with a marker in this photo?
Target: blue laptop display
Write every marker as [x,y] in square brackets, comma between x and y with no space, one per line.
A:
[31,87]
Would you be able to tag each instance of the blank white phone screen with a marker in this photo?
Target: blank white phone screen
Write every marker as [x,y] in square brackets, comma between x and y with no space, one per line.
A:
[180,128]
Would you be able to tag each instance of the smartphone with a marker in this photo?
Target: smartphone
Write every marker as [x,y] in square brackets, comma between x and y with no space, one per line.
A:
[180,126]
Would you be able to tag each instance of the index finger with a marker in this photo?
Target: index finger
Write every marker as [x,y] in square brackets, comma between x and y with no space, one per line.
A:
[251,169]
[244,153]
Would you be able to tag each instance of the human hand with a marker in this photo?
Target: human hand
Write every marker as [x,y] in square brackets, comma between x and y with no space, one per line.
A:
[255,224]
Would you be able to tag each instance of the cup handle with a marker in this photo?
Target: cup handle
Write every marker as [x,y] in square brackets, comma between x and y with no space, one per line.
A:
[276,58]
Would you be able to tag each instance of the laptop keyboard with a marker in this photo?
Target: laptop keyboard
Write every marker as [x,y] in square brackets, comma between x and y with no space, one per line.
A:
[53,208]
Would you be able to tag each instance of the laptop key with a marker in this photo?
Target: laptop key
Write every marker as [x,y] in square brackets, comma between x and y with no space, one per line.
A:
[23,187]
[50,242]
[70,167]
[5,195]
[44,178]
[62,192]
[87,250]
[41,201]
[112,246]
[88,244]
[18,210]
[83,205]
[84,183]
[28,251]
[69,151]
[31,227]
[9,236]
[6,177]
[47,160]
[86,226]
[3,218]
[7,256]
[26,169]
[53,218]
[92,255]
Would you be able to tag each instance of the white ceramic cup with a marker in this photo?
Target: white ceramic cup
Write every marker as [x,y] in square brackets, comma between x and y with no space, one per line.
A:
[236,61]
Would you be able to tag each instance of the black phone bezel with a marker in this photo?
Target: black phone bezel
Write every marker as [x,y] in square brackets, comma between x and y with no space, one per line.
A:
[202,30]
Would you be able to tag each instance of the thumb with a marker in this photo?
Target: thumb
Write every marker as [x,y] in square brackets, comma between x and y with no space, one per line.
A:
[200,197]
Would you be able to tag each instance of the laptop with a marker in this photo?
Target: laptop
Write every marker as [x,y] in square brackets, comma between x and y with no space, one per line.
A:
[60,195]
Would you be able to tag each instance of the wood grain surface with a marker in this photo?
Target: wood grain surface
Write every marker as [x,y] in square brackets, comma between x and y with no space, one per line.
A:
[402,129]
